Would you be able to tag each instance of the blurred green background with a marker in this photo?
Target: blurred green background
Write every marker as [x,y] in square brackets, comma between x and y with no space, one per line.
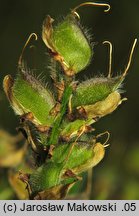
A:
[117,176]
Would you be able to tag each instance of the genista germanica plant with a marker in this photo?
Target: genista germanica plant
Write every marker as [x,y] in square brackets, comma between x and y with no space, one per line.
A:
[58,123]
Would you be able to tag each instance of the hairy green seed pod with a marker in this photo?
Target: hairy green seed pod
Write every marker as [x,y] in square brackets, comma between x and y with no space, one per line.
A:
[96,89]
[99,152]
[45,177]
[100,96]
[27,95]
[68,160]
[97,97]
[82,156]
[69,43]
